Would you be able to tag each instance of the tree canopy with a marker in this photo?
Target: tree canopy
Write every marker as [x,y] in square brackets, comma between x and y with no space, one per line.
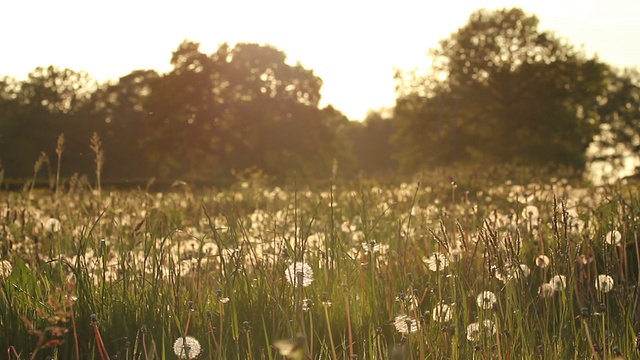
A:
[241,107]
[501,91]
[237,108]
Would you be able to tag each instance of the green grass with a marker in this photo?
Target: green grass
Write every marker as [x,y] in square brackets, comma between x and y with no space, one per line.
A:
[125,274]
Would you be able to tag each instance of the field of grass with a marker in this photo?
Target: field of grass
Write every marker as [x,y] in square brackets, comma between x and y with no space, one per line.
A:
[429,269]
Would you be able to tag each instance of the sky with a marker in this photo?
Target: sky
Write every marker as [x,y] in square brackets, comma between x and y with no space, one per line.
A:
[354,46]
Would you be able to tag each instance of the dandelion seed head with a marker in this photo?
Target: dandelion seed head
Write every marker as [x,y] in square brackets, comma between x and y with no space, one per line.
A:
[291,348]
[473,331]
[511,272]
[613,237]
[476,330]
[584,259]
[456,250]
[307,304]
[371,247]
[5,268]
[542,261]
[52,225]
[531,213]
[405,324]
[357,236]
[545,290]
[409,298]
[442,313]
[187,348]
[489,326]
[558,282]
[436,261]
[604,283]
[299,274]
[521,271]
[486,299]
[525,198]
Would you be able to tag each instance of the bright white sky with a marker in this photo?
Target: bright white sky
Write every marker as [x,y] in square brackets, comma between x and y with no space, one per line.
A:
[354,46]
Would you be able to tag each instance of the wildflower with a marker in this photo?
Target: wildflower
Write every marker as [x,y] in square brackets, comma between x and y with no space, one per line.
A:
[518,271]
[52,225]
[574,222]
[299,274]
[473,331]
[442,313]
[489,325]
[584,259]
[511,271]
[291,348]
[476,330]
[357,236]
[5,268]
[604,283]
[307,304]
[187,347]
[613,237]
[486,299]
[436,262]
[316,240]
[558,282]
[545,290]
[405,324]
[456,250]
[531,213]
[542,261]
[373,247]
[525,198]
[409,299]
[324,298]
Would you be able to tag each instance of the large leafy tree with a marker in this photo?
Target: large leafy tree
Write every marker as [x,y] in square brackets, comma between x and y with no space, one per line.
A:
[36,111]
[371,144]
[501,91]
[117,113]
[237,108]
[619,111]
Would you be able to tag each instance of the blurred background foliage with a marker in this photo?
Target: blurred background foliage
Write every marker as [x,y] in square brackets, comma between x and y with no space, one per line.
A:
[498,91]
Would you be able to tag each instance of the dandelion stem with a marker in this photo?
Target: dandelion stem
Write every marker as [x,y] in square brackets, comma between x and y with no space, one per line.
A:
[101,348]
[213,335]
[75,332]
[220,331]
[186,327]
[346,305]
[333,346]
[591,347]
[249,345]
[144,345]
[636,295]
[12,349]
[310,333]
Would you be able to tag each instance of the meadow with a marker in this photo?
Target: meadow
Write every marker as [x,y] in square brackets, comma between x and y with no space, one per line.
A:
[434,268]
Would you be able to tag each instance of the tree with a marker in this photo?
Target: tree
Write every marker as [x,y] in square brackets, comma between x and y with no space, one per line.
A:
[237,108]
[501,91]
[48,103]
[117,113]
[619,110]
[371,144]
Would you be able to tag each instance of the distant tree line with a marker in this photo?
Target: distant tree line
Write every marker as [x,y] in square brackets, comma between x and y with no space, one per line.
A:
[499,92]
[503,92]
[212,116]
